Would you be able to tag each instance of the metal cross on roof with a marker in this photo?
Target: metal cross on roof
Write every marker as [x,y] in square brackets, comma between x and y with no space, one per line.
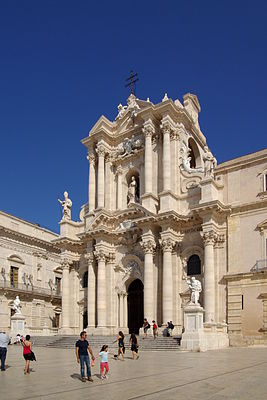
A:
[131,81]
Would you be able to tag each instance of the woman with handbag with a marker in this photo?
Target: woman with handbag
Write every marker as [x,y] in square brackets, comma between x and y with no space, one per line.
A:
[28,354]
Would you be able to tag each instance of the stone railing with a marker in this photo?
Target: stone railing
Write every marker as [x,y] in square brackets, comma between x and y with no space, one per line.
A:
[21,287]
[260,265]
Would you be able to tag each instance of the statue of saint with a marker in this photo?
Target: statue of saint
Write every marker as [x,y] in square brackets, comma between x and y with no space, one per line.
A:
[16,305]
[121,111]
[195,288]
[210,163]
[66,207]
[132,190]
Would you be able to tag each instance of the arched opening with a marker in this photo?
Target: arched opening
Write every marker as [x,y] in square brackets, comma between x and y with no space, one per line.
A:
[85,279]
[193,265]
[135,306]
[194,154]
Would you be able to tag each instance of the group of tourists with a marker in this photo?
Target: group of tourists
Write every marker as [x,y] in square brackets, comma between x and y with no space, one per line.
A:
[28,354]
[82,351]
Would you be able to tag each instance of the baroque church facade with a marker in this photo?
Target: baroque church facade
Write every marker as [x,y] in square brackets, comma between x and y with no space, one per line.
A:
[160,210]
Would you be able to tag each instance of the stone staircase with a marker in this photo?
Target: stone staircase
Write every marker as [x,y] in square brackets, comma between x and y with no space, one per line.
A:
[96,342]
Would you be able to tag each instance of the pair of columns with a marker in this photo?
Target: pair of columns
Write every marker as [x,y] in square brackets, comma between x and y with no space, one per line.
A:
[100,178]
[97,305]
[123,310]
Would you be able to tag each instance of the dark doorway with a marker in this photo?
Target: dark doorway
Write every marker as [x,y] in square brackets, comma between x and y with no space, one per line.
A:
[135,306]
[85,320]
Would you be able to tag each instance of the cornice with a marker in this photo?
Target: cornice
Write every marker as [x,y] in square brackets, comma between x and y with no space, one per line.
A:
[251,206]
[240,162]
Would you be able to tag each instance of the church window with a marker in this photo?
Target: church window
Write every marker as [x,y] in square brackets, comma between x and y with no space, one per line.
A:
[85,279]
[194,265]
[192,156]
[14,274]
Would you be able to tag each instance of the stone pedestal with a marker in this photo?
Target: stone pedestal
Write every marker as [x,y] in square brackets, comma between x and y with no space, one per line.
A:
[17,325]
[193,338]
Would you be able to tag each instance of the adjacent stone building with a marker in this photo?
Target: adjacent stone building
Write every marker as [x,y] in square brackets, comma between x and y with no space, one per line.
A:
[160,210]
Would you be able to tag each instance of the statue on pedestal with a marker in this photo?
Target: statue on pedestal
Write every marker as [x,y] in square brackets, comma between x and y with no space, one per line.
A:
[66,207]
[195,289]
[16,305]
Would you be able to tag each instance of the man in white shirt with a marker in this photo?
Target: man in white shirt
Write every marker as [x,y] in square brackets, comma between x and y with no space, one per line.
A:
[4,340]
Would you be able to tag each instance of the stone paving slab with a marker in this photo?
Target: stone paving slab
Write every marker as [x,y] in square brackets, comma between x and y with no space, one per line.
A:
[234,373]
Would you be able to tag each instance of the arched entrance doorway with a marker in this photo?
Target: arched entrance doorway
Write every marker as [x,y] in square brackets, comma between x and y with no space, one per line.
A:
[135,306]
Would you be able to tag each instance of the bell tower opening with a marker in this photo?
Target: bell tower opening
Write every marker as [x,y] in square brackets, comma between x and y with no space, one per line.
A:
[135,306]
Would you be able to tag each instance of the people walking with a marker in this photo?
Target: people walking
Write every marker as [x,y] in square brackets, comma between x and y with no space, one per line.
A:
[81,350]
[4,341]
[155,329]
[27,353]
[121,345]
[134,346]
[104,367]
[146,326]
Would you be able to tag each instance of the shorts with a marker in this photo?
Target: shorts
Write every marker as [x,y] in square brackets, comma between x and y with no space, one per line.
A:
[104,366]
[134,348]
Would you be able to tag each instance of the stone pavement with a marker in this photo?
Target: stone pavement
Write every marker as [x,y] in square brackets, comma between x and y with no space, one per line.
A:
[234,373]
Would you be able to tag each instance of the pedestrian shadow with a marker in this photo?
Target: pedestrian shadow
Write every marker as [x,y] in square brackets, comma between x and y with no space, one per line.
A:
[76,376]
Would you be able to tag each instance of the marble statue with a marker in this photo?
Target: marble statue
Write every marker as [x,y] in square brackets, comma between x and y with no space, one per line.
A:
[121,111]
[16,305]
[132,190]
[195,289]
[185,162]
[66,207]
[210,163]
[128,146]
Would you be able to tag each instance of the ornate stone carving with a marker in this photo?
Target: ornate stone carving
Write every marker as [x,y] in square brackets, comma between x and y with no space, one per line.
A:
[148,130]
[121,111]
[16,305]
[167,244]
[133,269]
[66,207]
[148,246]
[185,161]
[89,258]
[128,146]
[165,127]
[65,264]
[101,151]
[91,158]
[195,289]
[100,255]
[209,237]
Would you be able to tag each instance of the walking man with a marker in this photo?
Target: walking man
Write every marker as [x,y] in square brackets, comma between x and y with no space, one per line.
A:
[4,340]
[81,351]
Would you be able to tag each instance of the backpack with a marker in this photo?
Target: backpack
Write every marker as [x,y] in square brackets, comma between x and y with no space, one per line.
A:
[148,325]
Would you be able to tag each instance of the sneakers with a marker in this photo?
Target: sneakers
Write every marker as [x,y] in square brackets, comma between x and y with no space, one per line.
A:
[90,379]
[83,379]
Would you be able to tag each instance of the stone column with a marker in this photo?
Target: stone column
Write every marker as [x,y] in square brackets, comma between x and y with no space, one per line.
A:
[148,132]
[101,176]
[121,309]
[167,281]
[101,288]
[209,239]
[91,291]
[125,310]
[148,246]
[91,186]
[166,157]
[65,316]
[119,187]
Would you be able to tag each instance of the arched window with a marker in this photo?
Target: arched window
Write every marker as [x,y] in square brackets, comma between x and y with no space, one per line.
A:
[194,265]
[85,279]
[194,154]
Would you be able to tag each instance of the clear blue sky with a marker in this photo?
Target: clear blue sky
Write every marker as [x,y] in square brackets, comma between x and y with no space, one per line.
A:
[63,64]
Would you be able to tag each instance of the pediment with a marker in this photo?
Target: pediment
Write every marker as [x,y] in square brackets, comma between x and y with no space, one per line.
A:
[262,226]
[103,124]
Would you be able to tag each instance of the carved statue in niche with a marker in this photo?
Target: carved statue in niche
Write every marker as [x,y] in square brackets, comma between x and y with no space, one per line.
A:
[210,163]
[132,190]
[195,289]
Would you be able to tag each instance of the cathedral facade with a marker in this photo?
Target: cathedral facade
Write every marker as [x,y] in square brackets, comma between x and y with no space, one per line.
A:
[160,211]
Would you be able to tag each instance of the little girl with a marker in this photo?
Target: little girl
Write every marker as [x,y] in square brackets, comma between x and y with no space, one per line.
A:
[104,362]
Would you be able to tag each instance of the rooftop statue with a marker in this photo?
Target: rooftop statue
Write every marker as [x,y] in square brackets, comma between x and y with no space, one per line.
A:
[66,207]
[210,163]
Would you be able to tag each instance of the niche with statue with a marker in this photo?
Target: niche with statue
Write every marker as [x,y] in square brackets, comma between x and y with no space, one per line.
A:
[133,183]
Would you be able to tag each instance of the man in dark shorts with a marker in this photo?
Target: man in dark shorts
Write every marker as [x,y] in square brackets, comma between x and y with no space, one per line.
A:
[81,351]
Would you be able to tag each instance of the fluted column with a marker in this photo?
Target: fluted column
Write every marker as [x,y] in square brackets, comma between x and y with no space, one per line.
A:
[125,310]
[101,176]
[167,280]
[65,315]
[209,239]
[148,132]
[166,157]
[101,288]
[92,182]
[148,247]
[121,309]
[91,291]
[119,187]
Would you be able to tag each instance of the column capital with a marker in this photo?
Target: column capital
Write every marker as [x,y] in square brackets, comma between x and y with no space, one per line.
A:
[101,150]
[209,237]
[65,264]
[91,157]
[89,258]
[174,135]
[148,246]
[119,170]
[111,257]
[148,130]
[167,244]
[100,255]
